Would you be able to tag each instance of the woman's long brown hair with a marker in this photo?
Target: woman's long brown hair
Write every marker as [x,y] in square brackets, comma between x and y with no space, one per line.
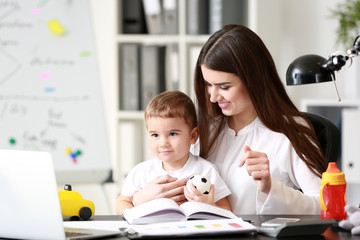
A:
[238,50]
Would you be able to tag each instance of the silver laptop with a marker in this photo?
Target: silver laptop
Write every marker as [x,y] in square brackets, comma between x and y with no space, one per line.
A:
[29,201]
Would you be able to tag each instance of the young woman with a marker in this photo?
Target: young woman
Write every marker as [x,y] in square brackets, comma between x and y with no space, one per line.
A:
[265,149]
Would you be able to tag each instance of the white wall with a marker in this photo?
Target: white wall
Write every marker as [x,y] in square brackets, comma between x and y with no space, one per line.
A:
[104,21]
[305,27]
[294,28]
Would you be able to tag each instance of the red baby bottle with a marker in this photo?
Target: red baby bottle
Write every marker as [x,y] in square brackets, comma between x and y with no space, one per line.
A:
[333,193]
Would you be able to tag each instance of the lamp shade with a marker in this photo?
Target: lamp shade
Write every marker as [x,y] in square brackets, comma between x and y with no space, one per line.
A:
[307,69]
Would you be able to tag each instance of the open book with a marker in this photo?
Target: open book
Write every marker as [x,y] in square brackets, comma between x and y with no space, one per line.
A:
[167,210]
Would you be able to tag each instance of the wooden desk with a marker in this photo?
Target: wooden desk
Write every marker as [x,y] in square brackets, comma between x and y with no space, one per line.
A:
[333,233]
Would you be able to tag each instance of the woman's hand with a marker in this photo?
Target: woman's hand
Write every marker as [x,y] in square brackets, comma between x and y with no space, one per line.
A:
[258,167]
[162,187]
[196,196]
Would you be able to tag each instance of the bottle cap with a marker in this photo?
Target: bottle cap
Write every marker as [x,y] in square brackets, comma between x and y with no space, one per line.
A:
[333,175]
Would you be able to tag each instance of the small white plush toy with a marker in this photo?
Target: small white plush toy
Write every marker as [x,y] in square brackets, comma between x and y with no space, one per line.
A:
[353,221]
[200,182]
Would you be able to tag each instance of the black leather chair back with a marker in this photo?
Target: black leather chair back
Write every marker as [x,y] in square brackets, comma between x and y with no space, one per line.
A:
[328,135]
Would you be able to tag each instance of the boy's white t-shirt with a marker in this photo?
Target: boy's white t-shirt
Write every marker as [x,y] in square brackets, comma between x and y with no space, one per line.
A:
[145,172]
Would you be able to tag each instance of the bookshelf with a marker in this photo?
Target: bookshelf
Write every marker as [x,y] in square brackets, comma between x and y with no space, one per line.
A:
[345,115]
[131,142]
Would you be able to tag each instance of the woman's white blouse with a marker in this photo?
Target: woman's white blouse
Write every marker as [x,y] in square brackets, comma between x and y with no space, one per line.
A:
[288,172]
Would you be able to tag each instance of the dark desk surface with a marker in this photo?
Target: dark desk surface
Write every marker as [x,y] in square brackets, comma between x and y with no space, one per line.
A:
[333,233]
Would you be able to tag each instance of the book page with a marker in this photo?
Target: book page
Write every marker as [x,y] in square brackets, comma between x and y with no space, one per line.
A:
[195,227]
[158,210]
[198,210]
[99,225]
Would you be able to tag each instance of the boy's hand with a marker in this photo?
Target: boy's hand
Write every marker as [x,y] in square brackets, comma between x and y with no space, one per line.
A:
[197,196]
[161,187]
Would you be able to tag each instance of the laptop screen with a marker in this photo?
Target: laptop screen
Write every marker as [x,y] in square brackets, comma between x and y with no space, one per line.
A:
[29,201]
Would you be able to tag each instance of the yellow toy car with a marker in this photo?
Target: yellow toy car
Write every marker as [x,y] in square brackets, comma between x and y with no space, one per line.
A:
[72,204]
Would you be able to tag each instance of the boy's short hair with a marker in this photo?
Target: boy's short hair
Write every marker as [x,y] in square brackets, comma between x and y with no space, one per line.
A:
[172,104]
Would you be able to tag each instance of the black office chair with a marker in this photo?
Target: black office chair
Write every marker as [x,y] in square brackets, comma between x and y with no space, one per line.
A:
[328,135]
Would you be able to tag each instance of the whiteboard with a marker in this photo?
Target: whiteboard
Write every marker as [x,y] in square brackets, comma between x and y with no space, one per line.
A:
[50,95]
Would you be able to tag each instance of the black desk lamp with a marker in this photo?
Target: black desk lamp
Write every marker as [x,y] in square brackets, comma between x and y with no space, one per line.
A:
[316,69]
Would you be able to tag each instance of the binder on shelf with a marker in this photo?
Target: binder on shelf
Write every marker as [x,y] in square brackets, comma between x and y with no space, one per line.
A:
[197,17]
[223,12]
[152,72]
[172,68]
[153,16]
[171,17]
[133,17]
[130,76]
[130,134]
[193,56]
